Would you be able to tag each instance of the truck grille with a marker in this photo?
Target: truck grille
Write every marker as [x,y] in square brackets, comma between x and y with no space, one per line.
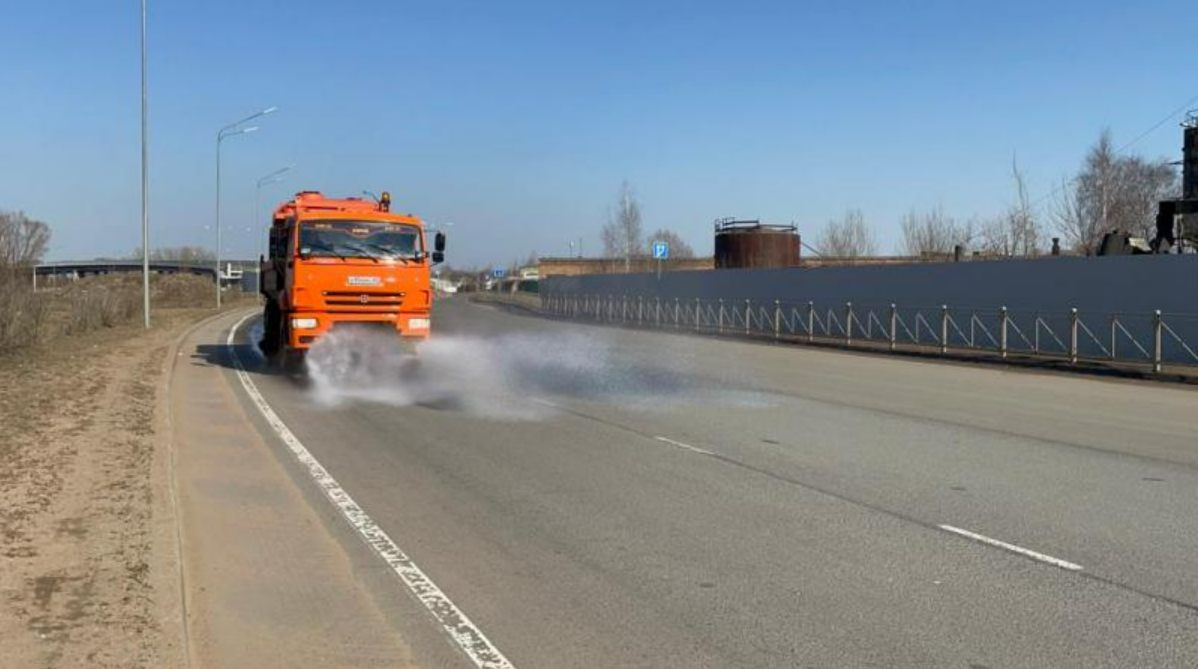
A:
[386,327]
[362,300]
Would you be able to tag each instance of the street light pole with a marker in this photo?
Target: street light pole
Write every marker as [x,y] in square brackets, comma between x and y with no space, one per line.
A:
[230,130]
[272,178]
[145,180]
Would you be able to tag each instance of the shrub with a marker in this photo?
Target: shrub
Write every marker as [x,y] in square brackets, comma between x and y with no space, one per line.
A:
[22,313]
[182,291]
[101,302]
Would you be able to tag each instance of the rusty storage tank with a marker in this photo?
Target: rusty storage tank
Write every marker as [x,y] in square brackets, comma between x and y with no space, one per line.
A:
[755,244]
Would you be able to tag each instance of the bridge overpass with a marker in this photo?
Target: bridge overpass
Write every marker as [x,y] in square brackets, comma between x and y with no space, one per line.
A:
[232,272]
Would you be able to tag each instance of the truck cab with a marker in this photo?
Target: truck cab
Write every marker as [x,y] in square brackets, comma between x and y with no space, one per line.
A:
[345,263]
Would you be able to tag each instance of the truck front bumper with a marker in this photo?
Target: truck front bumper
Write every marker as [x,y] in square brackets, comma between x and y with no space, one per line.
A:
[304,328]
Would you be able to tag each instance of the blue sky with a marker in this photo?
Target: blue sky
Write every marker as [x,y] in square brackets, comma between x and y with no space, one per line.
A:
[518,121]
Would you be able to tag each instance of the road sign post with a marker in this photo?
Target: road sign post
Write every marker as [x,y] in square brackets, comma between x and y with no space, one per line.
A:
[661,251]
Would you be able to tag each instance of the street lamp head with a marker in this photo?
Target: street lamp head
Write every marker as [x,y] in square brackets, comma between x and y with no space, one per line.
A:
[269,110]
[274,177]
[231,132]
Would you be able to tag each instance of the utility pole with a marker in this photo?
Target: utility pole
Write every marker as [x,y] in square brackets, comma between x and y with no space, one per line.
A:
[145,181]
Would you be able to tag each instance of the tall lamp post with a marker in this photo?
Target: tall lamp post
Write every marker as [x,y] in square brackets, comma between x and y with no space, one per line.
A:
[231,130]
[272,178]
[145,192]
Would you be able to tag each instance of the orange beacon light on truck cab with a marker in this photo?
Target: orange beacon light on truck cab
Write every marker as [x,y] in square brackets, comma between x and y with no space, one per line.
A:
[341,263]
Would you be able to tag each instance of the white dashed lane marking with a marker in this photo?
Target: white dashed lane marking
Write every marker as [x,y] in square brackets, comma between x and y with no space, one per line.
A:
[679,444]
[1056,562]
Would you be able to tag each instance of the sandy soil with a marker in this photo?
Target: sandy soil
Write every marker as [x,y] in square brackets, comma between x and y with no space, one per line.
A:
[88,576]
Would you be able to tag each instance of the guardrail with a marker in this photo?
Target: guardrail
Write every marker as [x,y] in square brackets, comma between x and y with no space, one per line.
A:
[1153,339]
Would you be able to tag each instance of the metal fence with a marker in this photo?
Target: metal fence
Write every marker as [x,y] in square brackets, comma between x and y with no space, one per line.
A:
[1153,339]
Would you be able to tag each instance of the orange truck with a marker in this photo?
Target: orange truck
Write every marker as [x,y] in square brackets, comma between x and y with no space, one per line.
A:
[342,264]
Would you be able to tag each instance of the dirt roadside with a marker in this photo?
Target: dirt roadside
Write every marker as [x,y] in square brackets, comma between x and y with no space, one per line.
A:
[88,563]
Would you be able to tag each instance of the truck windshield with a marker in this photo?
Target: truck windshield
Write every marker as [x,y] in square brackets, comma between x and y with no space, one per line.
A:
[360,239]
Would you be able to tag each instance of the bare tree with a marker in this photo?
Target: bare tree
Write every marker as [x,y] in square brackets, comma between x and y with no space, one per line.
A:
[678,246]
[934,233]
[1111,192]
[1082,210]
[621,235]
[1072,220]
[23,240]
[1143,184]
[1017,231]
[993,237]
[610,237]
[1023,227]
[848,237]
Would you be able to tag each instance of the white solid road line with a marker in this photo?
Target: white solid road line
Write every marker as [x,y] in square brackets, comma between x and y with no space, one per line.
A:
[1056,562]
[688,447]
[465,635]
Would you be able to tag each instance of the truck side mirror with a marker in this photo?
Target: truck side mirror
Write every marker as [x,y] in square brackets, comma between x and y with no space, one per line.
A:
[438,257]
[439,242]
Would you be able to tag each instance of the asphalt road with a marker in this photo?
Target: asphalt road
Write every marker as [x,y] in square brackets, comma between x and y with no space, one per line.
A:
[596,497]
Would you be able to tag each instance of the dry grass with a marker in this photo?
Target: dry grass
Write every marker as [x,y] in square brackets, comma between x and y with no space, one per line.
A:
[83,582]
[180,291]
[99,302]
[22,314]
[73,308]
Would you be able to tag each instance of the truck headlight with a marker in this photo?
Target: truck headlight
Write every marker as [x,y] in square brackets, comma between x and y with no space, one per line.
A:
[303,323]
[418,323]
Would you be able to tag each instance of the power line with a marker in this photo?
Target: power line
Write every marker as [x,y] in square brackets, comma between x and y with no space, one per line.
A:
[1173,114]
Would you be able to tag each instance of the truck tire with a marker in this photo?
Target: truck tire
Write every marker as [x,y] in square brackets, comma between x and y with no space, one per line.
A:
[271,330]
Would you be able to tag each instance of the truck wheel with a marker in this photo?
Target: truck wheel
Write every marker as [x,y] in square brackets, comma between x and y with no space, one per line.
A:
[270,331]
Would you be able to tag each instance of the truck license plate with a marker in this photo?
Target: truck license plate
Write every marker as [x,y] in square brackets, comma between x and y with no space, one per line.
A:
[364,281]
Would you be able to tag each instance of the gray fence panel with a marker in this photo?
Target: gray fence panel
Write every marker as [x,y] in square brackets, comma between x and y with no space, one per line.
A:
[1039,295]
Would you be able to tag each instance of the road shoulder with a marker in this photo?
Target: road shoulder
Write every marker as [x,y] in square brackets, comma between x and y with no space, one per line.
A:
[88,572]
[266,583]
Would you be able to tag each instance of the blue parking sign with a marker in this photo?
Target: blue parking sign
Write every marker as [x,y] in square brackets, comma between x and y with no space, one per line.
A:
[498,273]
[661,251]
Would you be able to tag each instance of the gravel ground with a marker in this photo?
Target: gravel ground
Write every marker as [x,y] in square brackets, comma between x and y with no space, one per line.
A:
[87,566]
